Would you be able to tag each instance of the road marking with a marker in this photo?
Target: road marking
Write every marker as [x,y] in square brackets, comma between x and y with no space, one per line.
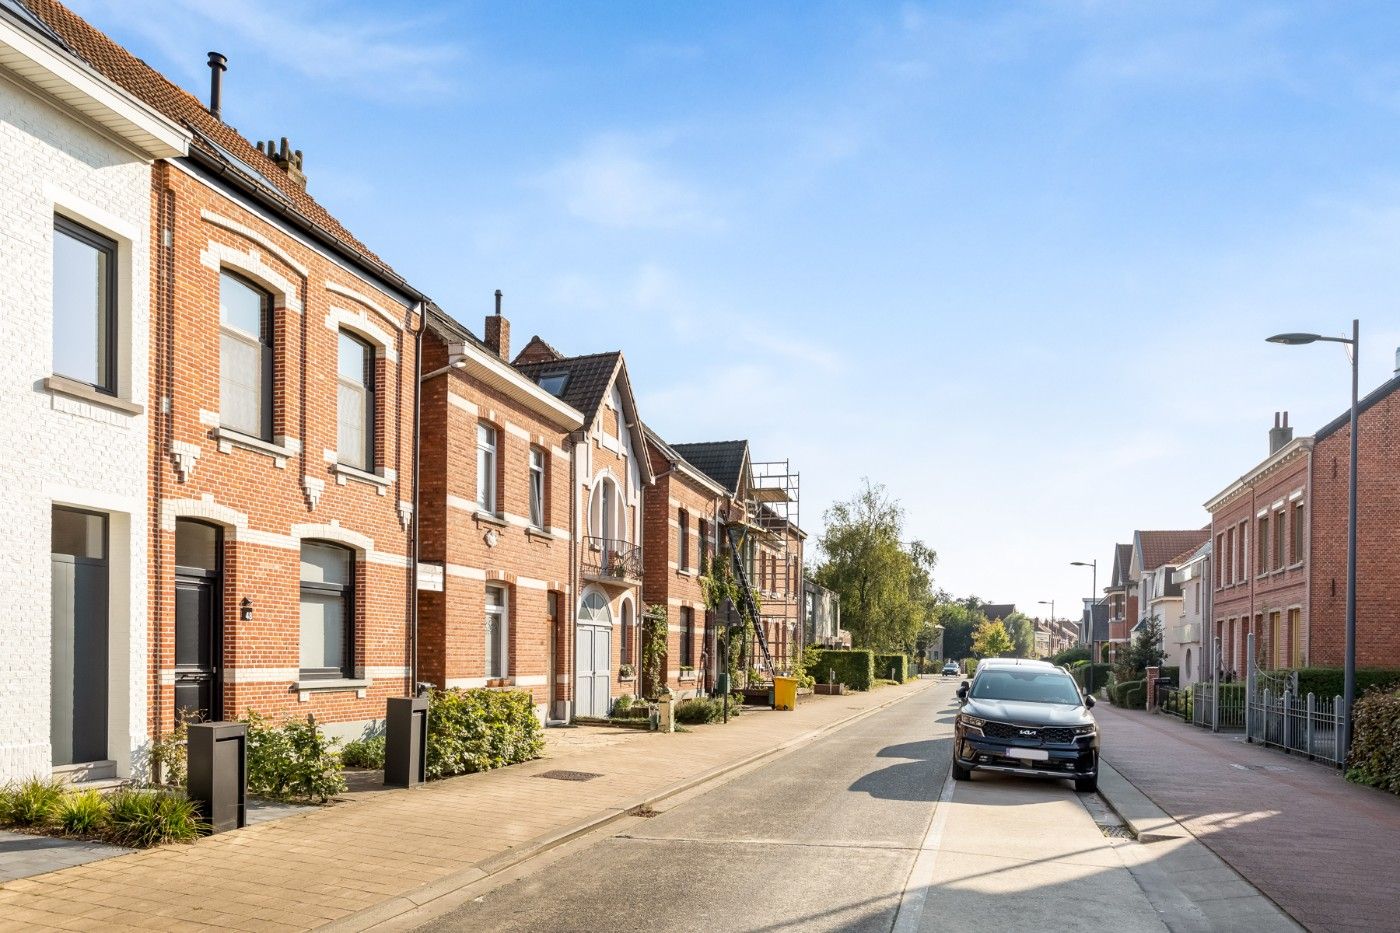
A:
[911,901]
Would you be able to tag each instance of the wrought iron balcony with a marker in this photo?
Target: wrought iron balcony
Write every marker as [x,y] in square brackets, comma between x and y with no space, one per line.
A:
[608,559]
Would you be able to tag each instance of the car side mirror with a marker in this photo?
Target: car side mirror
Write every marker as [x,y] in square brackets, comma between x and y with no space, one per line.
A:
[962,694]
[1088,701]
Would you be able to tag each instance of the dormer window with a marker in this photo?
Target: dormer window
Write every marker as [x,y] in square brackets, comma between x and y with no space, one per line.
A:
[554,383]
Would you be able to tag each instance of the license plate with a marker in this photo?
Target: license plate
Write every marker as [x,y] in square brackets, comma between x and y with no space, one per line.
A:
[1028,754]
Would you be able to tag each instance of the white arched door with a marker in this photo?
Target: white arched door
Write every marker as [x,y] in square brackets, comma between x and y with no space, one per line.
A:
[593,656]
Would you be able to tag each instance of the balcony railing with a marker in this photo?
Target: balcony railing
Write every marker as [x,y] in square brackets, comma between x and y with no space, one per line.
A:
[610,559]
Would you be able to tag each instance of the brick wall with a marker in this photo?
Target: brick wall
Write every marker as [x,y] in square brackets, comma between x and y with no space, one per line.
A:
[270,498]
[1378,540]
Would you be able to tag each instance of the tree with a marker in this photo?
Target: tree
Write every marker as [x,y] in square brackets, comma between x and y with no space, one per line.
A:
[959,625]
[991,640]
[1144,651]
[886,586]
[1022,633]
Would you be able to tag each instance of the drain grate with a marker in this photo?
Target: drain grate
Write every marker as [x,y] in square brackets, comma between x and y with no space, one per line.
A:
[1115,831]
[643,810]
[569,775]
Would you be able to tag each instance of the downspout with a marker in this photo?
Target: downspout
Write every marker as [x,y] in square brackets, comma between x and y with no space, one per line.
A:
[163,319]
[415,539]
[571,639]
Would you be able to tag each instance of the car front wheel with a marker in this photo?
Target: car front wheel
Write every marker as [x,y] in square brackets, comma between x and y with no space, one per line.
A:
[1086,785]
[960,773]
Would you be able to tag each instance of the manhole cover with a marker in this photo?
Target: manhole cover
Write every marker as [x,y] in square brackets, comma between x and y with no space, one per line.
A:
[569,775]
[1261,767]
[1115,832]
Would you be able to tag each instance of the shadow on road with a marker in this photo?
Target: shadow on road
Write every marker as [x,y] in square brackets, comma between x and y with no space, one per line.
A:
[918,778]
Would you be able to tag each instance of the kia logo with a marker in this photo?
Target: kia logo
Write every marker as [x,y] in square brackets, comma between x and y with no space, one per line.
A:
[1028,732]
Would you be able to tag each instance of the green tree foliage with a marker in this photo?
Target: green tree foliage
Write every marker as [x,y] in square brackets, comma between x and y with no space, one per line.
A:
[991,640]
[1144,651]
[886,586]
[960,622]
[1021,630]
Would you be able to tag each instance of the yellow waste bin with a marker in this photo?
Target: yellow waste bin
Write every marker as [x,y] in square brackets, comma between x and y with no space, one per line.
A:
[785,693]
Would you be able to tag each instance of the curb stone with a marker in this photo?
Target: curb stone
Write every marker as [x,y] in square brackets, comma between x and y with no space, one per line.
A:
[1146,821]
[395,907]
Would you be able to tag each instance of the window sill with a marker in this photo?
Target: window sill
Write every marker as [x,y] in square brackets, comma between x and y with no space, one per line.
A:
[685,572]
[86,393]
[1297,566]
[490,519]
[343,472]
[229,439]
[332,683]
[533,532]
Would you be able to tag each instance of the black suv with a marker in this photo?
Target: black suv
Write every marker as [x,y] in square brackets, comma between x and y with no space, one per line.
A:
[1028,718]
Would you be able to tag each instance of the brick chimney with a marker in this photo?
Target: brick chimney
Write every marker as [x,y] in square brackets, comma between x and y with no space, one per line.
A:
[1280,434]
[287,159]
[498,331]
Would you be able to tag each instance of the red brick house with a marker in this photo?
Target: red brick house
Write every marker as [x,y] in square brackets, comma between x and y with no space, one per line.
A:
[495,506]
[610,468]
[680,534]
[1122,597]
[1259,529]
[282,393]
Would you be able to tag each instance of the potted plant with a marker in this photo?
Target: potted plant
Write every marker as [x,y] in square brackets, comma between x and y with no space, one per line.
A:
[626,672]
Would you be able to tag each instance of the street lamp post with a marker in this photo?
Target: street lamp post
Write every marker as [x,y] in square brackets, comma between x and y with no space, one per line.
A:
[1093,598]
[1349,671]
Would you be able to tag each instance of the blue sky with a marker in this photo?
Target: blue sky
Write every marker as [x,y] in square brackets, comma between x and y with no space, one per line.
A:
[1014,261]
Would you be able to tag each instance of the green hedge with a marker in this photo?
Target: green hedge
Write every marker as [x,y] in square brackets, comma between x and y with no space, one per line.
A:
[1328,681]
[1092,677]
[1171,673]
[969,666]
[855,667]
[1135,697]
[900,663]
[1121,693]
[1375,742]
[477,730]
[1070,655]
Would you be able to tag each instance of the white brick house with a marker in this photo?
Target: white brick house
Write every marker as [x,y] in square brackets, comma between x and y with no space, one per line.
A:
[75,283]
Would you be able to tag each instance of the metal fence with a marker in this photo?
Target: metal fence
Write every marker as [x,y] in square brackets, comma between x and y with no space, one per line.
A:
[1217,706]
[1306,725]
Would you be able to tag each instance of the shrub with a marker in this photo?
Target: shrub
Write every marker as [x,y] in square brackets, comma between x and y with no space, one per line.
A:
[1374,759]
[32,803]
[1135,696]
[477,730]
[898,662]
[169,756]
[292,761]
[622,704]
[145,818]
[364,753]
[969,666]
[1071,655]
[82,814]
[1092,677]
[804,666]
[1119,692]
[1328,681]
[698,711]
[855,667]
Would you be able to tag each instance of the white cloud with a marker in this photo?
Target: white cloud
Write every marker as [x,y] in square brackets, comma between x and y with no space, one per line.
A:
[376,55]
[618,183]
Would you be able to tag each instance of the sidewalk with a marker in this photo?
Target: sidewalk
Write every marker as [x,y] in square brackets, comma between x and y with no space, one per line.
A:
[376,852]
[1322,849]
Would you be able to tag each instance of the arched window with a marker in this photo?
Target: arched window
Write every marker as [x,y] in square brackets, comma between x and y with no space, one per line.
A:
[594,609]
[607,513]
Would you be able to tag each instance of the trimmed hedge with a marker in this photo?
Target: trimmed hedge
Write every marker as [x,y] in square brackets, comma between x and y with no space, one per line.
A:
[477,730]
[697,711]
[1092,677]
[1135,697]
[1070,655]
[969,666]
[1121,693]
[1328,681]
[1375,741]
[854,667]
[1171,673]
[900,663]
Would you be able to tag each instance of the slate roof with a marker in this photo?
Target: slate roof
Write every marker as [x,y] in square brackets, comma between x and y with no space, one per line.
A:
[721,461]
[1122,562]
[1099,630]
[590,377]
[211,135]
[1160,547]
[998,611]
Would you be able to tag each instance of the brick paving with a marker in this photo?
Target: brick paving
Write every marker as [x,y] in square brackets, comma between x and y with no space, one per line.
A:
[310,869]
[1322,849]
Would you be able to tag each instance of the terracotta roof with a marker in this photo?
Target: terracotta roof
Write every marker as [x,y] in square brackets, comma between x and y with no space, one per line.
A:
[590,377]
[1160,547]
[152,87]
[721,461]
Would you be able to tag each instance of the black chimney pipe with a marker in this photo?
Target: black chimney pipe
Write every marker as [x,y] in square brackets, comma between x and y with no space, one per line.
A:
[498,302]
[218,64]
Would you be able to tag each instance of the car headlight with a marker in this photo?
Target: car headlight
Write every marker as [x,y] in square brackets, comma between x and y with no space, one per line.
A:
[971,722]
[1090,729]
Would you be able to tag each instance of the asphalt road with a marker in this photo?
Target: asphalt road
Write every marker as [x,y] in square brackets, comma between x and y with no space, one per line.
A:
[849,833]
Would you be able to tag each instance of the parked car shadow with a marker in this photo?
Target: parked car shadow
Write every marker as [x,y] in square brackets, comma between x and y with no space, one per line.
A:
[917,778]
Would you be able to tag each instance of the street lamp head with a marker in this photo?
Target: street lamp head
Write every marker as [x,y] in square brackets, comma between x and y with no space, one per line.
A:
[1079,563]
[1294,340]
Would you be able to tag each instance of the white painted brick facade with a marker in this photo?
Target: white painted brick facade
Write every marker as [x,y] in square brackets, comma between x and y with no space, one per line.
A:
[60,449]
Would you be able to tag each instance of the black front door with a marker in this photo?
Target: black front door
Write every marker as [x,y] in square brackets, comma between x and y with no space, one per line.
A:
[78,685]
[198,621]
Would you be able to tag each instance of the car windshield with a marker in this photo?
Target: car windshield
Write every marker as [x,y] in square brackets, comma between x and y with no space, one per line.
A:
[1027,686]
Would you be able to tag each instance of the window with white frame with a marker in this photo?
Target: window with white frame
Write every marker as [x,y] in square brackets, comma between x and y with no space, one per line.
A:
[537,488]
[486,467]
[607,514]
[497,633]
[245,357]
[84,306]
[355,402]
